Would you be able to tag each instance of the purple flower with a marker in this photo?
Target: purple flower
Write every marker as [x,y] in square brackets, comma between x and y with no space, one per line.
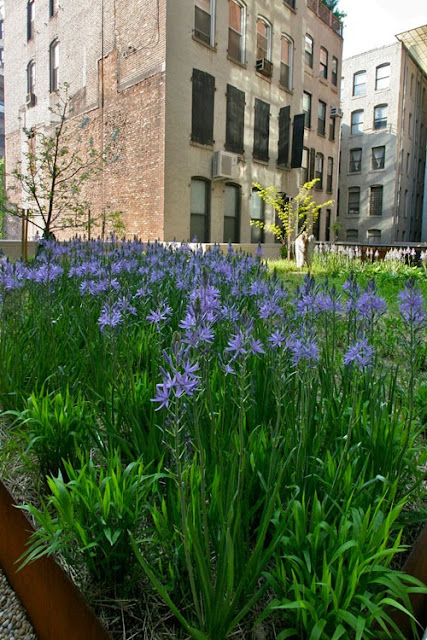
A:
[237,345]
[163,396]
[110,317]
[162,313]
[369,305]
[302,349]
[360,354]
[411,307]
[277,339]
[255,347]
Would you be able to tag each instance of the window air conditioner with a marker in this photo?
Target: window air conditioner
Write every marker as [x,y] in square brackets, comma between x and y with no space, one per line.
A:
[31,100]
[336,112]
[264,66]
[222,165]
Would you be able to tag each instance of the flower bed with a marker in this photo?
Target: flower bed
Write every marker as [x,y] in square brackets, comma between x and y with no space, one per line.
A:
[251,454]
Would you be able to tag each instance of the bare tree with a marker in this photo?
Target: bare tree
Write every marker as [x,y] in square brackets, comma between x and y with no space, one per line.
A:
[56,167]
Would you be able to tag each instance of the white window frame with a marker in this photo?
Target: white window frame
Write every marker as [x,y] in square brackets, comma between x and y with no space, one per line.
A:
[291,60]
[212,13]
[242,32]
[267,24]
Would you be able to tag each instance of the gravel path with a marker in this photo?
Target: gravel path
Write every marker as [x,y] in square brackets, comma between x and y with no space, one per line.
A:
[14,624]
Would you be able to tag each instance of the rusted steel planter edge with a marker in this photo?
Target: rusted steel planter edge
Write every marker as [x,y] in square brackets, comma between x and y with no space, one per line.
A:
[54,605]
[58,611]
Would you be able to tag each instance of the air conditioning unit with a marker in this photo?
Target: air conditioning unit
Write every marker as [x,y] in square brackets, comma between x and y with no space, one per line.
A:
[222,165]
[336,112]
[264,66]
[30,100]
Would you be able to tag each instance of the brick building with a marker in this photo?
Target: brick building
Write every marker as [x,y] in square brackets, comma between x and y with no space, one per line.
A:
[383,145]
[199,98]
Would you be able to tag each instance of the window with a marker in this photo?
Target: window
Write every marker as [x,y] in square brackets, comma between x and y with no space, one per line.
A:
[308,50]
[234,131]
[328,225]
[31,83]
[54,65]
[286,62]
[332,128]
[357,122]
[261,130]
[378,157]
[334,71]
[321,118]
[257,214]
[374,236]
[406,204]
[408,163]
[376,201]
[355,160]
[53,8]
[232,213]
[323,63]
[236,30]
[202,110]
[306,107]
[380,116]
[284,136]
[1,29]
[199,218]
[410,125]
[1,56]
[263,39]
[290,3]
[382,77]
[330,175]
[359,83]
[319,171]
[354,201]
[351,235]
[304,165]
[204,21]
[30,19]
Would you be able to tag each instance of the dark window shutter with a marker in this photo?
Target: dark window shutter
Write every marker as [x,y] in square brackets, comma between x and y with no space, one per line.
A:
[51,7]
[312,164]
[234,131]
[202,110]
[297,140]
[284,135]
[261,130]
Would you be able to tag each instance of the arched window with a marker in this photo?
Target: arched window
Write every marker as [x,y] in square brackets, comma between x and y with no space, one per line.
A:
[31,83]
[308,50]
[382,76]
[286,61]
[357,122]
[359,83]
[30,19]
[232,213]
[257,216]
[263,39]
[351,235]
[376,201]
[323,62]
[54,65]
[204,21]
[200,208]
[236,30]
[380,116]
[354,201]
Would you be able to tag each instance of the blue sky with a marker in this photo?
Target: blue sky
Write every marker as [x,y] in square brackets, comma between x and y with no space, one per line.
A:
[373,23]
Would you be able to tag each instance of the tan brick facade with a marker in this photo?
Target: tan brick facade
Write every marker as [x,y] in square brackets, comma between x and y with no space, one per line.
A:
[129,66]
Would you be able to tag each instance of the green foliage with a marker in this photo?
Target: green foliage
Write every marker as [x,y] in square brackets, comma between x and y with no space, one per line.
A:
[297,215]
[54,427]
[91,517]
[333,578]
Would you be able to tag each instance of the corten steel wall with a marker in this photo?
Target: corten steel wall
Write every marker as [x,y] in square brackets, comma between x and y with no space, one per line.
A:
[53,604]
[112,55]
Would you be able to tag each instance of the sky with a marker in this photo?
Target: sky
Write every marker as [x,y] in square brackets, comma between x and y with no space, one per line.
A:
[373,23]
